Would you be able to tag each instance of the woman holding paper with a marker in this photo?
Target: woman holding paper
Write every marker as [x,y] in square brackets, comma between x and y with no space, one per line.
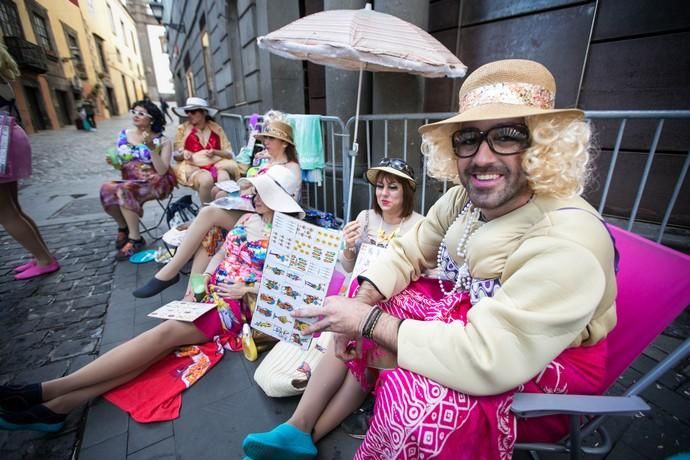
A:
[235,272]
[392,214]
[277,137]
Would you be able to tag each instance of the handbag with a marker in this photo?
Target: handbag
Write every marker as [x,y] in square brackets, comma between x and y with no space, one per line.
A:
[286,369]
[15,149]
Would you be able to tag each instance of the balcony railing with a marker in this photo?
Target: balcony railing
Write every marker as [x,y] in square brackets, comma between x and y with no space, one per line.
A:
[28,55]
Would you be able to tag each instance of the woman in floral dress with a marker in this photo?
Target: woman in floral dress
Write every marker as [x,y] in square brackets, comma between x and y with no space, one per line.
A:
[143,155]
[236,272]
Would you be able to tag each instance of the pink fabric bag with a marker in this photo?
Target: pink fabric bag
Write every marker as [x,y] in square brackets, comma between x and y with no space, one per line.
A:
[15,150]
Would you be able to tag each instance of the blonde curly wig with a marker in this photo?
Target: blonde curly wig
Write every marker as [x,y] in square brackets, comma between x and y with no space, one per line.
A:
[8,67]
[557,163]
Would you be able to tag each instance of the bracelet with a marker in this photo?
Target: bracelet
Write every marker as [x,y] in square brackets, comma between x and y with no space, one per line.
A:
[208,274]
[365,321]
[372,320]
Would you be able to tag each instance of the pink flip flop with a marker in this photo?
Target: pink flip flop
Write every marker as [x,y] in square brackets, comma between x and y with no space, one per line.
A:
[25,266]
[38,270]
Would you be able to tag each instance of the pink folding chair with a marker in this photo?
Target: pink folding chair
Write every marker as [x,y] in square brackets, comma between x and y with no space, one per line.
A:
[653,289]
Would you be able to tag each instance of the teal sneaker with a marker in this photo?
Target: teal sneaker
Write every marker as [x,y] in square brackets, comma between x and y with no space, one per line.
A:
[284,442]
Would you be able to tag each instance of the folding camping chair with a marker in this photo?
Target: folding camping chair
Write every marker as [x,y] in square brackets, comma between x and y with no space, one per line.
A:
[653,289]
[183,209]
[164,205]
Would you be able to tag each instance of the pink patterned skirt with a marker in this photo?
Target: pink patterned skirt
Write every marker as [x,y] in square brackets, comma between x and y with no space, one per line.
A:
[140,183]
[417,418]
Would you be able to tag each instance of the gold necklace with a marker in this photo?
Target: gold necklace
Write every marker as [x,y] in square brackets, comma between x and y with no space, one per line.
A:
[382,236]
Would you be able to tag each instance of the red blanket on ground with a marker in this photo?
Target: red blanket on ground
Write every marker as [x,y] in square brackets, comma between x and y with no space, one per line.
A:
[156,394]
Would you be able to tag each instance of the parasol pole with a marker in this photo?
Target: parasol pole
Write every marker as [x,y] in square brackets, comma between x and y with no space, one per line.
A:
[355,145]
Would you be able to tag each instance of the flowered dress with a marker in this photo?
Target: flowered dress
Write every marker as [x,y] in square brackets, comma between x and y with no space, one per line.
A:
[244,260]
[140,181]
[156,394]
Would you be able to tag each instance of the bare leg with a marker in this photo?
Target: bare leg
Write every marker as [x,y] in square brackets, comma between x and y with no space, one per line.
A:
[346,400]
[132,220]
[223,175]
[114,212]
[199,265]
[128,358]
[203,182]
[69,401]
[207,218]
[325,382]
[20,226]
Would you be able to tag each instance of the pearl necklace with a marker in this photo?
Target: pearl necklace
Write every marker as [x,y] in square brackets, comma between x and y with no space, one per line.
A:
[464,278]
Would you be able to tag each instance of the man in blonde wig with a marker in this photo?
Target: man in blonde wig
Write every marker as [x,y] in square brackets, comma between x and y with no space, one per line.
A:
[526,297]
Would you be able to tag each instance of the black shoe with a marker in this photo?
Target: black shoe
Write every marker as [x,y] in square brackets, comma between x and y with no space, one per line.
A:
[154,286]
[14,398]
[357,423]
[37,418]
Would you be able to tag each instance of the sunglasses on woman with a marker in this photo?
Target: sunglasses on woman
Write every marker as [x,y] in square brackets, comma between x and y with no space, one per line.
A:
[502,140]
[188,111]
[398,165]
[137,113]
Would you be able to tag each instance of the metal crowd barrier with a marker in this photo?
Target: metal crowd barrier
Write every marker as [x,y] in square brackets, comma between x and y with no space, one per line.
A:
[641,135]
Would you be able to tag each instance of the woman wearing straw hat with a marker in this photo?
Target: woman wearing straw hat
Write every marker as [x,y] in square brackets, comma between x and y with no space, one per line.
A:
[279,148]
[234,273]
[204,154]
[392,214]
[278,136]
[525,303]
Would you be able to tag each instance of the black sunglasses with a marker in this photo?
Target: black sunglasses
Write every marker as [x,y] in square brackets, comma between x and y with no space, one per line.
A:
[192,110]
[502,140]
[398,165]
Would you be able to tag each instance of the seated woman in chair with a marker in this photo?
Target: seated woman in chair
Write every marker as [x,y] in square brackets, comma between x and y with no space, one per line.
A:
[143,155]
[236,271]
[203,152]
[278,140]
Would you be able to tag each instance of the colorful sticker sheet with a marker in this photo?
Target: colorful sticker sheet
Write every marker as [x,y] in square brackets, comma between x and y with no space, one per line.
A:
[299,265]
[181,310]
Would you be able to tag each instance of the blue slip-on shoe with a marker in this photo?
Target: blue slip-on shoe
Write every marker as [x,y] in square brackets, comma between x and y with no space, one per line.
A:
[37,418]
[284,441]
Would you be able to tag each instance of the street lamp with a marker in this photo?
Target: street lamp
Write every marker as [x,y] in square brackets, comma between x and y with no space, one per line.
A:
[157,11]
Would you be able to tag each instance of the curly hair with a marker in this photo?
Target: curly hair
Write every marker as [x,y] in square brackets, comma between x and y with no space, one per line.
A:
[557,163]
[157,117]
[8,67]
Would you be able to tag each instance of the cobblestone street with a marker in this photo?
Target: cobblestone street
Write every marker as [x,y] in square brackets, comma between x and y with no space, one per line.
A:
[54,325]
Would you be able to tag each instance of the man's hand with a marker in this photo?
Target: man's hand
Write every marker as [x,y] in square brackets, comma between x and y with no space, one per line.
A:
[338,314]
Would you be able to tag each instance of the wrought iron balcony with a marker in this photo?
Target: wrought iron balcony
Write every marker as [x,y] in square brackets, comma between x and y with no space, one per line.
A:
[28,55]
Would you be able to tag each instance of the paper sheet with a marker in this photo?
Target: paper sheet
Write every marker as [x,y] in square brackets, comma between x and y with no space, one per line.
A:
[299,265]
[181,310]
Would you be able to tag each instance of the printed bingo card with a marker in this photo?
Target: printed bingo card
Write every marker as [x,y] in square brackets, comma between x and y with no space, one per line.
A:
[300,261]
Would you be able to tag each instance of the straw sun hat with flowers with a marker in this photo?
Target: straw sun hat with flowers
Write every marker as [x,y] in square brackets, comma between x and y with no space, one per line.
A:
[277,129]
[510,88]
